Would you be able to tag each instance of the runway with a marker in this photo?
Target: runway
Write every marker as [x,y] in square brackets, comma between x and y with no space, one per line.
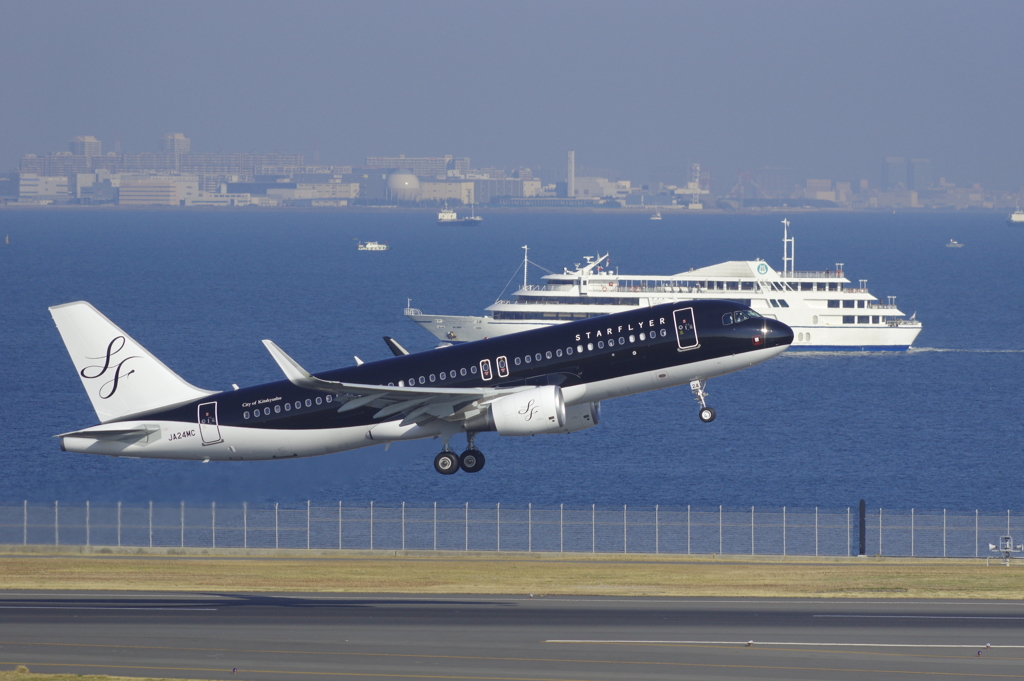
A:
[506,638]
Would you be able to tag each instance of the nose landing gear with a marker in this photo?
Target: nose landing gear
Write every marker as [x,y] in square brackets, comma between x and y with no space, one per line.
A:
[706,413]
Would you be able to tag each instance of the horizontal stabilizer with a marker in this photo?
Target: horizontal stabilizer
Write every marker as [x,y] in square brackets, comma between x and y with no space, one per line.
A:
[115,434]
[396,349]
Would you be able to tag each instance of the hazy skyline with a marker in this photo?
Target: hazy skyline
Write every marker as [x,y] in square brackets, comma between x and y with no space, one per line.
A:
[826,88]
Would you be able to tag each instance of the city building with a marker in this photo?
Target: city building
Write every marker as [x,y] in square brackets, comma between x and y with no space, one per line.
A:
[448,190]
[919,174]
[175,143]
[158,190]
[86,145]
[894,173]
[34,188]
[437,167]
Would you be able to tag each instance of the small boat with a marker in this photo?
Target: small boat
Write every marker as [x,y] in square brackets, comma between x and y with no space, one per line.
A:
[450,217]
[656,216]
[1016,218]
[374,246]
[953,243]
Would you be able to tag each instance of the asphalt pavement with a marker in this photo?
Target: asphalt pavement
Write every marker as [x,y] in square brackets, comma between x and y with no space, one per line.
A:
[373,636]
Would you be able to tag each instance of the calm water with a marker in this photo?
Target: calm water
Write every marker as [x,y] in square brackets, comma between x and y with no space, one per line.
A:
[940,426]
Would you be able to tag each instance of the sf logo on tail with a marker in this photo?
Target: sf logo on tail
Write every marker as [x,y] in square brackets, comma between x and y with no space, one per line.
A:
[110,387]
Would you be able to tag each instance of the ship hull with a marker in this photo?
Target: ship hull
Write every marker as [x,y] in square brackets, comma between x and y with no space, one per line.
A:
[831,338]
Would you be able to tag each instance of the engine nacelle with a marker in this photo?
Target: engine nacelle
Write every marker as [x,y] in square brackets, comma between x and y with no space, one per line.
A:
[580,417]
[531,412]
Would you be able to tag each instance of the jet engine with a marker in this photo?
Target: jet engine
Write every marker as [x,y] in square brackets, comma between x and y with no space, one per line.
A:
[531,412]
[580,417]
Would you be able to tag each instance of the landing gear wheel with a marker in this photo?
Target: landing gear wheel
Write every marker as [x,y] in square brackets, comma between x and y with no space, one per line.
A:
[446,463]
[472,460]
[706,414]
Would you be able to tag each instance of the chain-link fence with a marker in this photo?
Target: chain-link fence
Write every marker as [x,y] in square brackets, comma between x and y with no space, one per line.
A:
[625,529]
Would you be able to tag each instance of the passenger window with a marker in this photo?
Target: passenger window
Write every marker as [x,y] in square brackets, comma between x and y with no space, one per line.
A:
[266,411]
[502,366]
[256,413]
[642,337]
[590,346]
[443,375]
[422,380]
[518,361]
[611,342]
[485,369]
[298,405]
[558,352]
[462,371]
[433,378]
[664,333]
[329,398]
[537,357]
[568,351]
[319,401]
[412,382]
[309,403]
[600,345]
[287,406]
[579,348]
[246,414]
[632,338]
[528,359]
[472,370]
[277,408]
[548,354]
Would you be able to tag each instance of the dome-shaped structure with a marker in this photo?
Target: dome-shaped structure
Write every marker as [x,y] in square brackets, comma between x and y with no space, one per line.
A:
[403,186]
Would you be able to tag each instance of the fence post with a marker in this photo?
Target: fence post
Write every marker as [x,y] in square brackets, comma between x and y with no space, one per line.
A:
[245,525]
[183,524]
[751,530]
[880,532]
[213,524]
[719,529]
[561,515]
[593,528]
[975,533]
[371,525]
[151,524]
[339,524]
[656,550]
[529,527]
[784,531]
[119,524]
[307,524]
[943,533]
[911,532]
[467,526]
[56,524]
[1007,521]
[435,526]
[687,529]
[403,526]
[625,547]
[277,531]
[815,530]
[499,525]
[24,523]
[848,548]
[87,538]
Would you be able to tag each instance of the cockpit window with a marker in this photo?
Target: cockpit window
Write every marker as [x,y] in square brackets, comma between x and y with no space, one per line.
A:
[727,319]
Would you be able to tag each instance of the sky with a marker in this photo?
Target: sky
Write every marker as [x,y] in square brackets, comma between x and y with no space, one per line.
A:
[639,88]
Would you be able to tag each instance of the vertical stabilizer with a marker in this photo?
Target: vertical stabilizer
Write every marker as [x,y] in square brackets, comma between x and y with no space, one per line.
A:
[120,376]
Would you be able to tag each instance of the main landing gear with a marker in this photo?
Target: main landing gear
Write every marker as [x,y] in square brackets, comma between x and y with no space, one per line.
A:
[448,462]
[706,413]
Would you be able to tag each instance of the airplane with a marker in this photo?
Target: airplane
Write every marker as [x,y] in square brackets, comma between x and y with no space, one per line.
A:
[549,380]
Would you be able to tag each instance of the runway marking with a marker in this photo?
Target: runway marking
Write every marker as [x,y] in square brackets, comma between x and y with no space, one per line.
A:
[512,678]
[930,617]
[93,607]
[785,643]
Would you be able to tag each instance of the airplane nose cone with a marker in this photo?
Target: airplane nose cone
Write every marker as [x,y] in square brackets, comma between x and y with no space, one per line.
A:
[778,334]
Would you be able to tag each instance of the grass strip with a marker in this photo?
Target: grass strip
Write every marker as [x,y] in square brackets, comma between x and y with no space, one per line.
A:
[538,574]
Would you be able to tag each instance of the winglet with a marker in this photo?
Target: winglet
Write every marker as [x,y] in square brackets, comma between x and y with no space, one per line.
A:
[397,349]
[295,373]
[292,371]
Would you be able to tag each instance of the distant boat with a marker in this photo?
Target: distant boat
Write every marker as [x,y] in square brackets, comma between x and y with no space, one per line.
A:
[449,217]
[953,243]
[656,216]
[1016,218]
[374,246]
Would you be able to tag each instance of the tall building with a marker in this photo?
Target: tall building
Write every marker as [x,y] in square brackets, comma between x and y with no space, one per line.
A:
[894,173]
[570,176]
[175,143]
[86,145]
[919,174]
[427,167]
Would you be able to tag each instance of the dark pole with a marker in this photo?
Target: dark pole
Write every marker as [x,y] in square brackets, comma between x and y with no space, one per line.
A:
[863,528]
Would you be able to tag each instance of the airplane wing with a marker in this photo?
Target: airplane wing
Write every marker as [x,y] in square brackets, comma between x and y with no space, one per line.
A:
[415,405]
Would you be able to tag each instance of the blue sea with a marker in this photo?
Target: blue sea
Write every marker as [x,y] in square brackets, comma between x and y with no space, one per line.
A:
[937,427]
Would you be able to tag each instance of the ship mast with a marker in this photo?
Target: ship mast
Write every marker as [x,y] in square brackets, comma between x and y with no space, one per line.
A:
[788,247]
[526,263]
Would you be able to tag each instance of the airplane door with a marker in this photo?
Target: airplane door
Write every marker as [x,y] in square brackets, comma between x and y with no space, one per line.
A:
[209,430]
[686,329]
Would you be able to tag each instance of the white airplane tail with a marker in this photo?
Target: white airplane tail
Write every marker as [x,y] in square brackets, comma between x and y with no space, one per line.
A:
[121,377]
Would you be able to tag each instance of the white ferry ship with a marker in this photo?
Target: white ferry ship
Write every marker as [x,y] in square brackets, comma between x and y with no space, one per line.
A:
[449,217]
[373,246]
[1016,218]
[824,310]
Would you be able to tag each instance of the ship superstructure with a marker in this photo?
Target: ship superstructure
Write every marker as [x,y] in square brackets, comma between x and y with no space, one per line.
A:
[826,311]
